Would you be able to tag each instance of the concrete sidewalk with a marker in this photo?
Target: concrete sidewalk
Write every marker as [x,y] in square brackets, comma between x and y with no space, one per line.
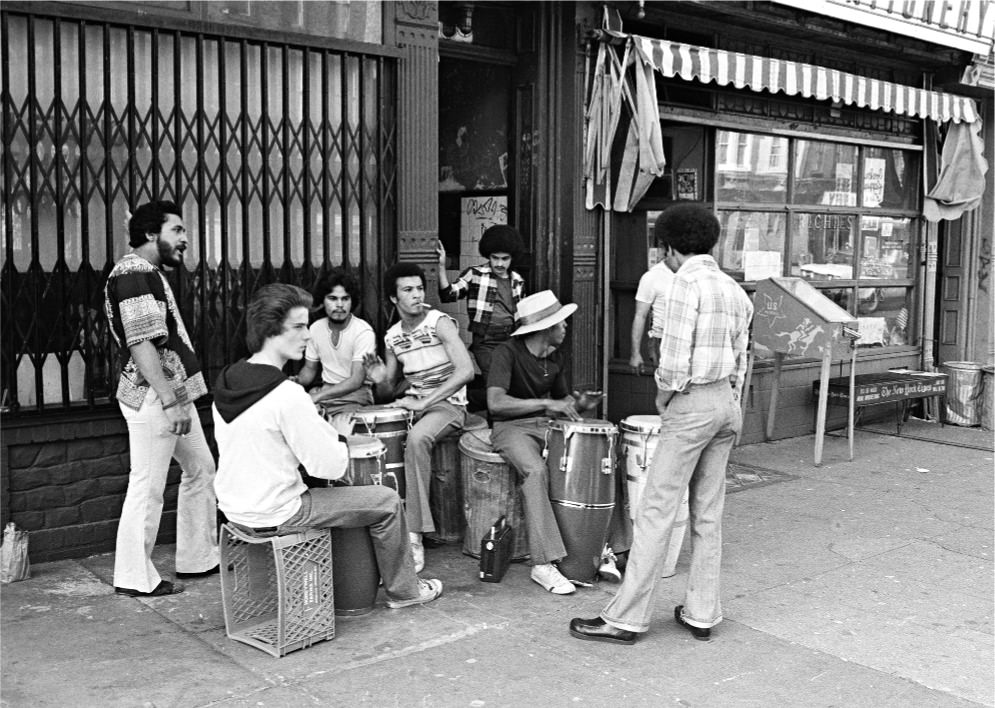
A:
[864,583]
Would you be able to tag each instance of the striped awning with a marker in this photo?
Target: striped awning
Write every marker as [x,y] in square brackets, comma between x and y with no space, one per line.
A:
[758,73]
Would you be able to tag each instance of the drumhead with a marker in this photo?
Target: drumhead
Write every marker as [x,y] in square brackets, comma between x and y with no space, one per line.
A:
[640,424]
[364,446]
[476,444]
[381,414]
[598,427]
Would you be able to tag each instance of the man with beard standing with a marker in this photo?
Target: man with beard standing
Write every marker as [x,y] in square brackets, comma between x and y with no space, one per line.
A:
[160,380]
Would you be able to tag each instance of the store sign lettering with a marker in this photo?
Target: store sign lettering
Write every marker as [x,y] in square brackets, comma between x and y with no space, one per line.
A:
[833,222]
[961,24]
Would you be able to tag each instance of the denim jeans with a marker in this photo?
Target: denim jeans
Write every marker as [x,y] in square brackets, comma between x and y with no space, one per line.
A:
[374,506]
[521,443]
[150,450]
[430,425]
[697,432]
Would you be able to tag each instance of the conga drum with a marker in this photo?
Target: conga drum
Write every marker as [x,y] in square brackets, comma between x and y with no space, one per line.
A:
[490,491]
[640,435]
[445,495]
[389,425]
[355,575]
[581,465]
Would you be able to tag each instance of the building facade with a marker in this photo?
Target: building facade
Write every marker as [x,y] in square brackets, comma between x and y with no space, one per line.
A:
[303,135]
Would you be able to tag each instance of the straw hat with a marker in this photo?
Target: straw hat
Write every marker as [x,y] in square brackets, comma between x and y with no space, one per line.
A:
[540,311]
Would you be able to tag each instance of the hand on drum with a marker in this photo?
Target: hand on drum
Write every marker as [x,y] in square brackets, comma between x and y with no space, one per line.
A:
[565,407]
[410,403]
[376,369]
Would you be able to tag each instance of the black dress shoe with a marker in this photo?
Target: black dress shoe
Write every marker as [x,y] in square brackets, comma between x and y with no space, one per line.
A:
[163,588]
[597,630]
[703,634]
[200,574]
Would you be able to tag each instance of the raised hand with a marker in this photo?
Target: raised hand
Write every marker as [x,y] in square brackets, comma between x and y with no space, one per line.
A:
[376,369]
[440,251]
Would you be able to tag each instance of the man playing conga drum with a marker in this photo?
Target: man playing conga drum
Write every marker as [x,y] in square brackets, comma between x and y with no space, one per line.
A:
[425,346]
[526,386]
[266,427]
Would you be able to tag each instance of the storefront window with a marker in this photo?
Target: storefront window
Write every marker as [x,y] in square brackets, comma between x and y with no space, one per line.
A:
[751,168]
[752,244]
[825,173]
[890,179]
[842,217]
[886,251]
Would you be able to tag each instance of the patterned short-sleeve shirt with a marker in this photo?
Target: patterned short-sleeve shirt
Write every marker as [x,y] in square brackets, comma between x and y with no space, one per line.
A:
[140,307]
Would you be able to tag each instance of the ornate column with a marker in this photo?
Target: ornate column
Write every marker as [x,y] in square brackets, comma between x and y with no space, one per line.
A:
[416,30]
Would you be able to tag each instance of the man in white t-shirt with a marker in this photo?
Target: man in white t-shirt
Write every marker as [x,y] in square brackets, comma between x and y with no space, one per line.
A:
[651,296]
[338,343]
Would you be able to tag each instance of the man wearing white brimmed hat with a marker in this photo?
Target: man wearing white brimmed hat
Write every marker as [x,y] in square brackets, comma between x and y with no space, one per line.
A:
[526,386]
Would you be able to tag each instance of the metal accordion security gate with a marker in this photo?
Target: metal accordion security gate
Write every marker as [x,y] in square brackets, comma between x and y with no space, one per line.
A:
[280,153]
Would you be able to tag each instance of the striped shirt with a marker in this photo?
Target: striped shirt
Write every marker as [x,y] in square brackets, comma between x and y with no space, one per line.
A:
[423,356]
[706,330]
[478,285]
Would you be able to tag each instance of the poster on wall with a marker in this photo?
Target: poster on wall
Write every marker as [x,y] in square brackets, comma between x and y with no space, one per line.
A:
[687,183]
[479,213]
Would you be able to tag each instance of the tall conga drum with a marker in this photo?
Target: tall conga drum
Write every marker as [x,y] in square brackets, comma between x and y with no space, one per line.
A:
[445,495]
[389,425]
[581,465]
[355,575]
[640,435]
[490,491]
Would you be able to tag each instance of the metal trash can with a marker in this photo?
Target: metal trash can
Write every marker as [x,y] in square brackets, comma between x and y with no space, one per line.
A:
[963,392]
[987,396]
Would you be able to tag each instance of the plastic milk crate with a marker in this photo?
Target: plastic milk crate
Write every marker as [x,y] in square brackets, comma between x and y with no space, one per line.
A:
[277,591]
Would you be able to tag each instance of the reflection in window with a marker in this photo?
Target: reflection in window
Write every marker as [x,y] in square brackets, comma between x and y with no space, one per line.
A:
[751,168]
[891,178]
[751,244]
[887,247]
[822,246]
[825,173]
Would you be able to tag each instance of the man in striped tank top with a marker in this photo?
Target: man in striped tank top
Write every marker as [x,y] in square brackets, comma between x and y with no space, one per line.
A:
[426,347]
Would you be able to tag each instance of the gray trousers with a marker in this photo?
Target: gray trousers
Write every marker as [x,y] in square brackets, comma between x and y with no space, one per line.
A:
[374,506]
[521,442]
[697,432]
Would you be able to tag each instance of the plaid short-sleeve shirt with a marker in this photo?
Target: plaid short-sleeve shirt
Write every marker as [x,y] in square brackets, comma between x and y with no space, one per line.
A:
[140,307]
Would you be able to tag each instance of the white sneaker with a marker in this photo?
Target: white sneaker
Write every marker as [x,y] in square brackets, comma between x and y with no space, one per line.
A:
[608,570]
[550,577]
[417,551]
[428,590]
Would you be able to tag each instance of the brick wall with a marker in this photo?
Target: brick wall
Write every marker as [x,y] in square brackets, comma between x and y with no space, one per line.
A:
[64,481]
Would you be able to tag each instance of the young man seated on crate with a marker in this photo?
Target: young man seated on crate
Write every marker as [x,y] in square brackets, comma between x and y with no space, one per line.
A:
[266,427]
[526,386]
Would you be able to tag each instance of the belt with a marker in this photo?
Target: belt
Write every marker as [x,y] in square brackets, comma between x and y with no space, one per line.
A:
[250,529]
[688,388]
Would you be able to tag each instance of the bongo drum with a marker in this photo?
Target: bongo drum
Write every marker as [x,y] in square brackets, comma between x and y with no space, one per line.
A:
[367,457]
[640,435]
[390,426]
[580,461]
[355,575]
[490,491]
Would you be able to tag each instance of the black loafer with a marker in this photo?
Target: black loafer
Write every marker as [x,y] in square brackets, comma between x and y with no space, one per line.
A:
[703,634]
[163,588]
[200,574]
[597,630]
